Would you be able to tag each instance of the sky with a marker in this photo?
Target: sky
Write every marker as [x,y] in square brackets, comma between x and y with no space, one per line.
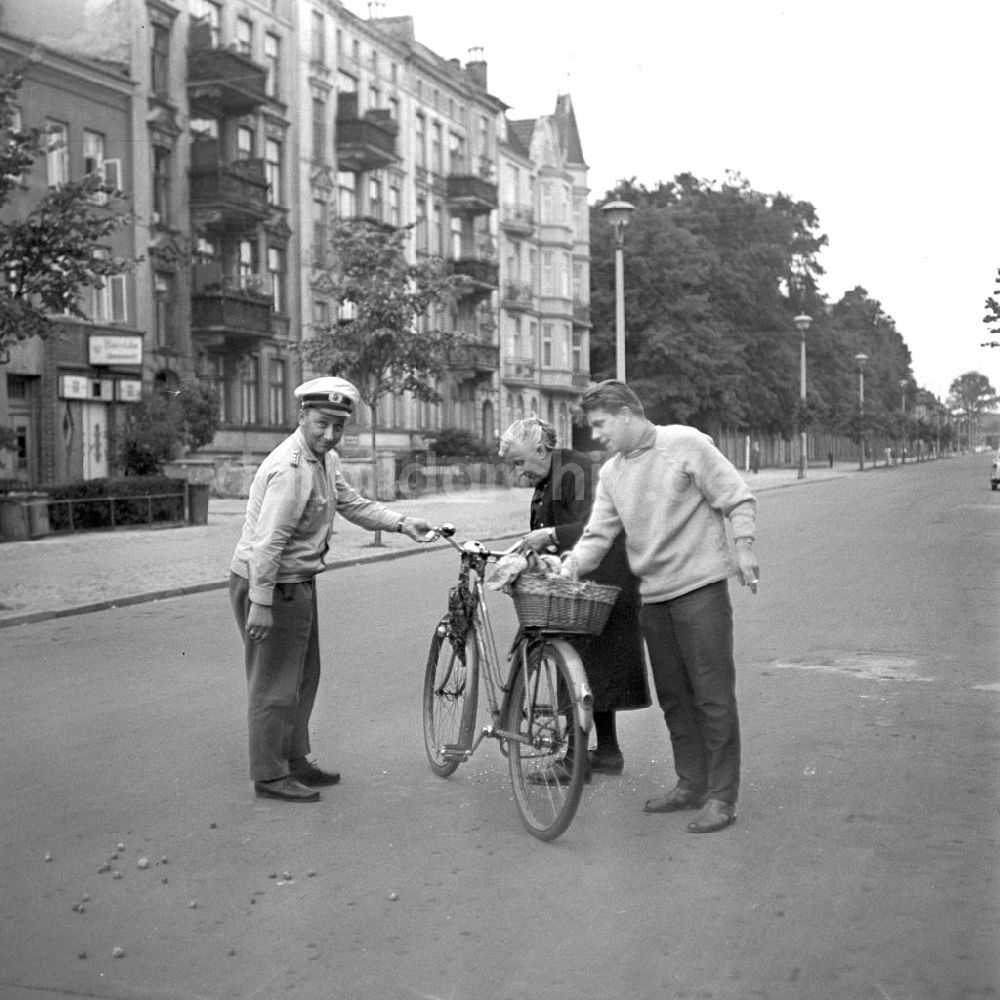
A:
[882,114]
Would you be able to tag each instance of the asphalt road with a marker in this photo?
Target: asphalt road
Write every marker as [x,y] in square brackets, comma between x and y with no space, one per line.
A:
[863,864]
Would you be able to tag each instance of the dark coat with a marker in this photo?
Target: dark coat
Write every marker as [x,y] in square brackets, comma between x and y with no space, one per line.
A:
[614,660]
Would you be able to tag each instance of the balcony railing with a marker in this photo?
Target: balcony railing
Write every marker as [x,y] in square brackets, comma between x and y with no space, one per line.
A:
[517,295]
[231,197]
[481,359]
[222,82]
[483,274]
[231,314]
[363,142]
[470,194]
[517,218]
[520,371]
[561,378]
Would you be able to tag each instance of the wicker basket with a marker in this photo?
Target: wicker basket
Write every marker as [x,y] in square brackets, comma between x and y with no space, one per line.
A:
[558,604]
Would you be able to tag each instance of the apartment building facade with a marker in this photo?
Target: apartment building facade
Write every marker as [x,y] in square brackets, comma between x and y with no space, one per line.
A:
[247,128]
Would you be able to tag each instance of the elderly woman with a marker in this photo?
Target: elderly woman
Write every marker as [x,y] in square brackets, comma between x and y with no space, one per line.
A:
[564,483]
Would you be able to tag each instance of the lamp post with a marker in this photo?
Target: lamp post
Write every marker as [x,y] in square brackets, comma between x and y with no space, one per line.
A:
[802,323]
[617,213]
[903,383]
[861,359]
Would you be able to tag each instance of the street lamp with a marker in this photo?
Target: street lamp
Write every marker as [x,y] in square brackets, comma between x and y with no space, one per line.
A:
[617,213]
[902,408]
[802,323]
[861,359]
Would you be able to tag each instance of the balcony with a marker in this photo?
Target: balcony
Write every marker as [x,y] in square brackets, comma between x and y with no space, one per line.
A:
[230,197]
[363,143]
[222,82]
[475,359]
[482,274]
[519,371]
[563,380]
[222,312]
[517,218]
[470,195]
[517,295]
[581,312]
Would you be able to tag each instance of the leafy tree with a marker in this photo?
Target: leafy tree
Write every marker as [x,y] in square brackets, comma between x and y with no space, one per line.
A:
[388,344]
[973,393]
[167,420]
[57,248]
[992,317]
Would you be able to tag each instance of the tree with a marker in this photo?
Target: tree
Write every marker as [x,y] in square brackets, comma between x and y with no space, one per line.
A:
[972,393]
[56,249]
[992,317]
[165,421]
[386,343]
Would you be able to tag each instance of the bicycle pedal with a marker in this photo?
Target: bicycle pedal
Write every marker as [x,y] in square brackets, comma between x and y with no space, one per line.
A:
[454,751]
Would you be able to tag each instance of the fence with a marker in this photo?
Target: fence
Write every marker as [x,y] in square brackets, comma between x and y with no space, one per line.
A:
[86,513]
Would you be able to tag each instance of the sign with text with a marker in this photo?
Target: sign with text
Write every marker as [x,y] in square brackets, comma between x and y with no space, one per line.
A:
[129,390]
[115,349]
[74,387]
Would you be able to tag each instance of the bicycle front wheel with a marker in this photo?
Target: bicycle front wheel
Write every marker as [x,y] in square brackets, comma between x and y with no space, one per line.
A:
[451,691]
[547,749]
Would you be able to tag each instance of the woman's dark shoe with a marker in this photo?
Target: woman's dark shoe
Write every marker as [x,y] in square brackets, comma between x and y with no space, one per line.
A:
[677,798]
[287,789]
[606,761]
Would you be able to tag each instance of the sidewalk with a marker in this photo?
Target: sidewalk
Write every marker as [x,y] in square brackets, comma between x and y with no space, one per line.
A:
[72,574]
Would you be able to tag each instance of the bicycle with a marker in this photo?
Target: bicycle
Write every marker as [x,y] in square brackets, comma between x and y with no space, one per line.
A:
[540,713]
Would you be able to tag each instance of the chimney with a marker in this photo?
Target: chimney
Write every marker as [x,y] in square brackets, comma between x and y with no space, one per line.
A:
[476,67]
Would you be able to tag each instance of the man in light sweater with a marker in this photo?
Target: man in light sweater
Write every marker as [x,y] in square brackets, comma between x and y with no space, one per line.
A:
[672,492]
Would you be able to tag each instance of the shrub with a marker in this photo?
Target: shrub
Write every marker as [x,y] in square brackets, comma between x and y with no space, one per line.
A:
[93,508]
[454,442]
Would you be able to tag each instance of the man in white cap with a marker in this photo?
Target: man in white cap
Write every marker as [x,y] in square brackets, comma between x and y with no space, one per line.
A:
[294,496]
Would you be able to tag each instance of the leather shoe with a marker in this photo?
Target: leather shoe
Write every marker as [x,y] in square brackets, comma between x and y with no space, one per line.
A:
[287,789]
[714,815]
[606,761]
[312,776]
[677,798]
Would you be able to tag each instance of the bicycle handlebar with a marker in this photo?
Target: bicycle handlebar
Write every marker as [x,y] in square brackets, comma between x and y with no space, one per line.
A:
[471,546]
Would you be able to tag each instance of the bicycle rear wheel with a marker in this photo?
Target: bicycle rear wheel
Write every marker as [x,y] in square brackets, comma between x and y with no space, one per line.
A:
[451,692]
[547,751]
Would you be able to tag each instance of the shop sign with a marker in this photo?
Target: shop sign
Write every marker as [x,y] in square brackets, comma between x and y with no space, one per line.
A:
[115,349]
[129,390]
[74,387]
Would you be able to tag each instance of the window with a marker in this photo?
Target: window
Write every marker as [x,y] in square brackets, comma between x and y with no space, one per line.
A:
[547,344]
[420,142]
[276,393]
[163,297]
[161,185]
[159,61]
[318,130]
[347,196]
[321,312]
[356,50]
[211,13]
[272,62]
[108,304]
[320,236]
[548,273]
[247,267]
[318,50]
[577,352]
[456,238]
[246,143]
[374,98]
[244,36]
[93,152]
[249,387]
[547,202]
[57,153]
[421,229]
[16,125]
[276,277]
[375,205]
[272,170]
[215,376]
[456,154]
[394,108]
[395,206]
[436,151]
[437,220]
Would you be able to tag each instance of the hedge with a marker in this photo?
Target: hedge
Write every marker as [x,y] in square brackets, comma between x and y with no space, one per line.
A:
[136,508]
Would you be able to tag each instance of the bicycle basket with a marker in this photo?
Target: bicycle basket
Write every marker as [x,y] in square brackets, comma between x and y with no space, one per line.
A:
[560,605]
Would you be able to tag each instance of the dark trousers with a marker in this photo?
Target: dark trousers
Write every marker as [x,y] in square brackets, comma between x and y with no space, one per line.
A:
[690,643]
[282,676]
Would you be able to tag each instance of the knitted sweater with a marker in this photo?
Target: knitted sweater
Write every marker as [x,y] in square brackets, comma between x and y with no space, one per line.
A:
[671,496]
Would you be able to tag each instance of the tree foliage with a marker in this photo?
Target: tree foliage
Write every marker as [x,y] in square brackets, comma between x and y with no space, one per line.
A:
[714,276]
[58,248]
[992,317]
[388,342]
[973,393]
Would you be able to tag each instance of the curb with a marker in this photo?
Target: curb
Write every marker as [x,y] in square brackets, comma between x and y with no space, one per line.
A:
[35,617]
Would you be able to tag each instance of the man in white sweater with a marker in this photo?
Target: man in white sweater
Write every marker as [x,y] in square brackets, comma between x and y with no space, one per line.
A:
[672,492]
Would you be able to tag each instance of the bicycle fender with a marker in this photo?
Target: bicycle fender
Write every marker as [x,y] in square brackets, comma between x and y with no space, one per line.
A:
[582,694]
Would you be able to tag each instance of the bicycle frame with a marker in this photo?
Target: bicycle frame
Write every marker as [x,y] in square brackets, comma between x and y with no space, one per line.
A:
[472,594]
